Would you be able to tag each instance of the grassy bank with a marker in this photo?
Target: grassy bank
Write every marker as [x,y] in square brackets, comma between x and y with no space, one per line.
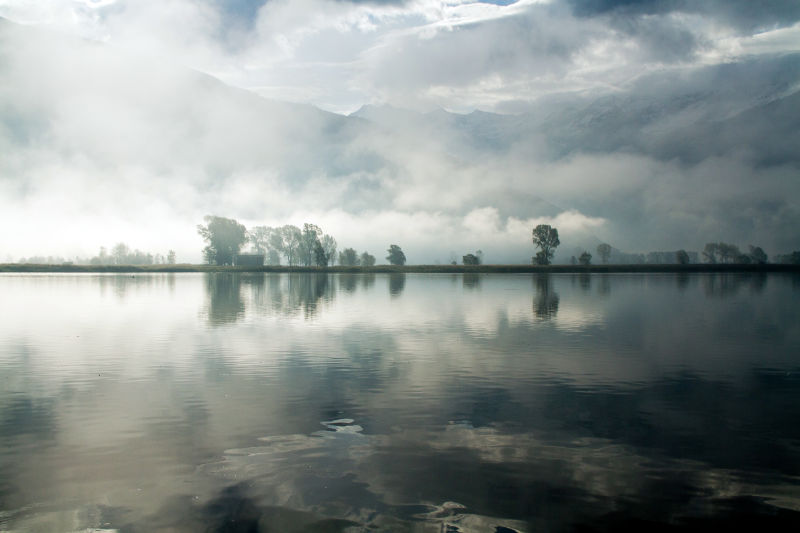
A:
[454,269]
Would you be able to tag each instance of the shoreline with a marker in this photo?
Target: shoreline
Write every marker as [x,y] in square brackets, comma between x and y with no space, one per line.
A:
[408,269]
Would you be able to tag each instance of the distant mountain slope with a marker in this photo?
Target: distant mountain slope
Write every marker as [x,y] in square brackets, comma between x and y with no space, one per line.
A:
[688,118]
[89,132]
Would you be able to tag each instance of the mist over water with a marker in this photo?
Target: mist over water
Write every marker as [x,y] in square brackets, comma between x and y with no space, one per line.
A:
[307,402]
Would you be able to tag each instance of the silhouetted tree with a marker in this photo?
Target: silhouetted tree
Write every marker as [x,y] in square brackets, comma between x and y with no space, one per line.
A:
[681,257]
[585,258]
[757,255]
[320,257]
[710,252]
[224,238]
[291,238]
[349,257]
[788,259]
[171,258]
[604,251]
[471,259]
[729,253]
[546,238]
[367,260]
[329,245]
[396,255]
[120,253]
[309,238]
[259,238]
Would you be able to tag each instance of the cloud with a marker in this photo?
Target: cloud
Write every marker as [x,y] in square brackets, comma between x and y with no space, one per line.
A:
[669,157]
[424,53]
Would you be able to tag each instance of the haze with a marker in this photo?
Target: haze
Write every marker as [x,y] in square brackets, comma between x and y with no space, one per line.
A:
[444,127]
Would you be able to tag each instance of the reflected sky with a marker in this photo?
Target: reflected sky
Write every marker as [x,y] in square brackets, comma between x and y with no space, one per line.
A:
[398,402]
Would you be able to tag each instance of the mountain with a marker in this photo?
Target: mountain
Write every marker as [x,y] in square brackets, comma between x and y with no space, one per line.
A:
[92,133]
[700,116]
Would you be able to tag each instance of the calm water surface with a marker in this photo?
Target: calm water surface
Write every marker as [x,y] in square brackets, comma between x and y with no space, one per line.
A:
[302,402]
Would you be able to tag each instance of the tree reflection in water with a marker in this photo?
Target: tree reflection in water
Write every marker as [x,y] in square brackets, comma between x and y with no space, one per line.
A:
[225,303]
[471,280]
[397,282]
[726,285]
[545,303]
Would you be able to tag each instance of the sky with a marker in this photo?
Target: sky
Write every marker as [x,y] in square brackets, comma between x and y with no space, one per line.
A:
[652,125]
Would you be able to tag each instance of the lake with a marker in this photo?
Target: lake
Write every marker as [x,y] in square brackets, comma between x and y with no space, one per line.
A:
[399,402]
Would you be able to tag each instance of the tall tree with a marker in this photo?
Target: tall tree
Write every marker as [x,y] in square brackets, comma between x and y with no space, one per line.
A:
[171,257]
[309,238]
[545,237]
[585,258]
[320,257]
[259,238]
[120,253]
[224,238]
[396,255]
[710,252]
[329,246]
[291,238]
[604,251]
[682,257]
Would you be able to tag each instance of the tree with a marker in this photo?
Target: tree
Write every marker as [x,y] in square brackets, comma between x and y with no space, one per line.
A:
[585,258]
[329,245]
[682,257]
[728,253]
[367,259]
[320,256]
[120,253]
[171,257]
[757,255]
[396,255]
[471,259]
[710,252]
[291,238]
[604,250]
[349,257]
[546,238]
[308,240]
[224,238]
[259,238]
[790,259]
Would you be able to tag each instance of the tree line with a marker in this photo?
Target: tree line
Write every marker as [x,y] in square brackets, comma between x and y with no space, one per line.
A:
[309,246]
[545,237]
[121,254]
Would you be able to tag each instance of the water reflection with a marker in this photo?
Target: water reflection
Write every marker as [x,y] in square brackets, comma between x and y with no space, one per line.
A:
[726,285]
[225,302]
[604,286]
[471,280]
[328,403]
[348,282]
[121,284]
[397,282]
[545,303]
